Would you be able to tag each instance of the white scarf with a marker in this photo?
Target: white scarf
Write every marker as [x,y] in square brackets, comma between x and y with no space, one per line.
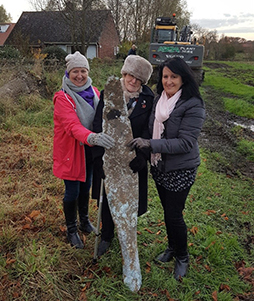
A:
[164,108]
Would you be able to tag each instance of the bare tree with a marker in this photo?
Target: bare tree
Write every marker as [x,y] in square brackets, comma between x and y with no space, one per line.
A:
[76,14]
[135,18]
[208,38]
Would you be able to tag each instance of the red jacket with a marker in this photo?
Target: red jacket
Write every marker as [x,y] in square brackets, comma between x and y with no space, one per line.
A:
[68,154]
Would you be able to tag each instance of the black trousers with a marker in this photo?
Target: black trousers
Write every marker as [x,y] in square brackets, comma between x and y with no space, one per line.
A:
[108,226]
[173,204]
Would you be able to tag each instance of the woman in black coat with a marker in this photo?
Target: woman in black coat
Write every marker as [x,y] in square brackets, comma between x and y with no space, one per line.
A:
[136,72]
[175,124]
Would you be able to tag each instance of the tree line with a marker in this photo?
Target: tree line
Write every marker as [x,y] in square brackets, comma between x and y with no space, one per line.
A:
[134,20]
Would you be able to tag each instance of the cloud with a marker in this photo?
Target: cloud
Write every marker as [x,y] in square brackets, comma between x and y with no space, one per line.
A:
[227,25]
[237,30]
[224,17]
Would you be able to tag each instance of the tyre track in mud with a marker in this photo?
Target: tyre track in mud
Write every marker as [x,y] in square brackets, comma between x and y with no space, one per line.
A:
[217,136]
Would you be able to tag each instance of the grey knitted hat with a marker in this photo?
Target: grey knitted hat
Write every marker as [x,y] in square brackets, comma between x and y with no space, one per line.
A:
[76,60]
[138,67]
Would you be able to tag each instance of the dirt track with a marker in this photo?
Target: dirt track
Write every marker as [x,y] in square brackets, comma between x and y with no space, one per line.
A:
[217,136]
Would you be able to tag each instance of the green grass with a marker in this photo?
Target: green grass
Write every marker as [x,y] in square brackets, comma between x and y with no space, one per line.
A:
[246,148]
[229,85]
[36,263]
[235,80]
[239,107]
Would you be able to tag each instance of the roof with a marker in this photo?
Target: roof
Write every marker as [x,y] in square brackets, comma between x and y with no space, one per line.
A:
[7,28]
[53,27]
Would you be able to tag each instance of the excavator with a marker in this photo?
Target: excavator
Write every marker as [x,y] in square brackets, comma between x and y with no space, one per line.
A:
[167,42]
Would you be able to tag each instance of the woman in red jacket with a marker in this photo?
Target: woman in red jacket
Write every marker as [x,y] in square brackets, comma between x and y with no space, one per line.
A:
[74,109]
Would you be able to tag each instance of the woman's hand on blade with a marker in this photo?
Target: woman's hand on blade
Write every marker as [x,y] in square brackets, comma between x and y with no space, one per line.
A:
[139,143]
[101,139]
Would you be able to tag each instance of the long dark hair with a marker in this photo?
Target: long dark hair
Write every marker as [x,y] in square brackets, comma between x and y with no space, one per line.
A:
[178,66]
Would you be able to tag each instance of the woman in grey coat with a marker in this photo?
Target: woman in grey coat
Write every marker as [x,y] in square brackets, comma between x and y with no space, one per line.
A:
[175,124]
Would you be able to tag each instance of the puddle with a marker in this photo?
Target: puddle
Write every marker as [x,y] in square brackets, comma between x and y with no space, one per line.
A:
[249,127]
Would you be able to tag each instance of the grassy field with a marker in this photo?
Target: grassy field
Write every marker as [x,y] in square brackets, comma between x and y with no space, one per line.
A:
[36,263]
[234,79]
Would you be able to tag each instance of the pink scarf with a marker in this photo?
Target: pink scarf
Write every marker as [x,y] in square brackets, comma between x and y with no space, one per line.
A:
[163,110]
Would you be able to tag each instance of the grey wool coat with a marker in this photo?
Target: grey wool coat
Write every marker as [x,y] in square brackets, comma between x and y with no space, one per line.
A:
[179,142]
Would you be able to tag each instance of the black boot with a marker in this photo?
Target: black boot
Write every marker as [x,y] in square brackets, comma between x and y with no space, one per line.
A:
[167,255]
[181,266]
[103,247]
[83,203]
[70,212]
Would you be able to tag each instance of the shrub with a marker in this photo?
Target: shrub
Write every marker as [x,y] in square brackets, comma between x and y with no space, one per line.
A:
[54,53]
[228,51]
[123,49]
[143,50]
[9,52]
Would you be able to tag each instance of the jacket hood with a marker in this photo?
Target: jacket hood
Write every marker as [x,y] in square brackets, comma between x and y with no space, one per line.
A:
[57,94]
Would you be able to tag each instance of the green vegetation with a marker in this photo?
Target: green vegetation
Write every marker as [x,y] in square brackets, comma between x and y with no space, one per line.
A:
[36,263]
[246,148]
[234,80]
[100,75]
[239,107]
[54,53]
[9,52]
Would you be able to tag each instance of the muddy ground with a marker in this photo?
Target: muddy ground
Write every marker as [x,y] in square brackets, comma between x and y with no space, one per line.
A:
[217,135]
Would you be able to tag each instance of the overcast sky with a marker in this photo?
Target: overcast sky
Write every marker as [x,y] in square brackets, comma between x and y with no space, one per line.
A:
[229,17]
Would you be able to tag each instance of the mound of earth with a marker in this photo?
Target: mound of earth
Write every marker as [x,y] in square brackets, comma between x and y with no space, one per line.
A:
[23,82]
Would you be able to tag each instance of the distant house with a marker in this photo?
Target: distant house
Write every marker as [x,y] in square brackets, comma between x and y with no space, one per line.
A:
[5,30]
[47,28]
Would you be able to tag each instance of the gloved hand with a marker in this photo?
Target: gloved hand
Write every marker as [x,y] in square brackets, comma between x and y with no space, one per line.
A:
[137,163]
[101,139]
[139,143]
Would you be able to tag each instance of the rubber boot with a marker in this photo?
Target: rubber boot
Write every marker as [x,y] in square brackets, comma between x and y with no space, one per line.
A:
[181,266]
[85,225]
[103,247]
[70,212]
